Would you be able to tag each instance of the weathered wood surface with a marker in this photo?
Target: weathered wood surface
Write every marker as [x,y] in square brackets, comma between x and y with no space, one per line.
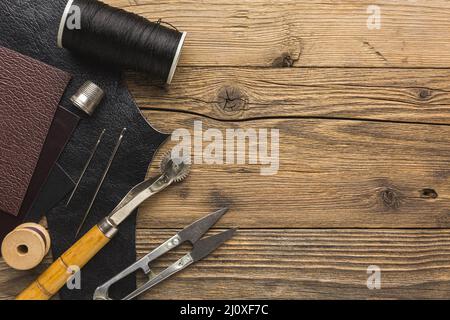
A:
[293,264]
[313,264]
[407,95]
[306,33]
[364,148]
[332,174]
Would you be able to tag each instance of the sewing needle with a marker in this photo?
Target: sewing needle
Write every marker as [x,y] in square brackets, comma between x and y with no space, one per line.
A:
[94,150]
[105,173]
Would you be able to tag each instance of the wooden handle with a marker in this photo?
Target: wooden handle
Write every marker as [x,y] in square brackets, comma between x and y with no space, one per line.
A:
[56,276]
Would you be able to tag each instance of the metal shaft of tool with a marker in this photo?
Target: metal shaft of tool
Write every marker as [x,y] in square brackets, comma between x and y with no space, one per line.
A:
[91,156]
[105,173]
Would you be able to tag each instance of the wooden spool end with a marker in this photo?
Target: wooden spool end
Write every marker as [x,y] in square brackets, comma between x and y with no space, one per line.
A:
[26,246]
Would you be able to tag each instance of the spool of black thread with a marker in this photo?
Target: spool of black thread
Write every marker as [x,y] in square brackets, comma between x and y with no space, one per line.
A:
[121,38]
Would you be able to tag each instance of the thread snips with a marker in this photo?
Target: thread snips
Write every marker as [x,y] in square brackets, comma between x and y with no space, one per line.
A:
[193,234]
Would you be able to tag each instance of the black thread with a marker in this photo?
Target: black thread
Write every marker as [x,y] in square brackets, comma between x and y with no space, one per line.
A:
[122,38]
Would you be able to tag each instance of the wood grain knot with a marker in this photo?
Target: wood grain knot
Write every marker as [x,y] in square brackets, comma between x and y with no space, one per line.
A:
[424,94]
[390,198]
[231,100]
[284,61]
[428,193]
[219,200]
[184,193]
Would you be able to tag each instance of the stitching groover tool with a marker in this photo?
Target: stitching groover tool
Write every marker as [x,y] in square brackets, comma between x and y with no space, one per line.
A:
[192,234]
[56,276]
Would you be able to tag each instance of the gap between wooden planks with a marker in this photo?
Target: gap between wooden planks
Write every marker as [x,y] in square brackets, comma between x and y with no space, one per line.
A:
[296,264]
[305,33]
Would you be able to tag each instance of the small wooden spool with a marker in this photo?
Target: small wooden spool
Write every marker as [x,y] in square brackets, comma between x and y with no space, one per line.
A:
[26,246]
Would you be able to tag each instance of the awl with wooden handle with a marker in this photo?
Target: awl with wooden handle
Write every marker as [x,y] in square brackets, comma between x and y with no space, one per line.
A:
[56,276]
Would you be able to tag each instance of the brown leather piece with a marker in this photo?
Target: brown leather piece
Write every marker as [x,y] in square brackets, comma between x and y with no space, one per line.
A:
[58,185]
[30,92]
[50,183]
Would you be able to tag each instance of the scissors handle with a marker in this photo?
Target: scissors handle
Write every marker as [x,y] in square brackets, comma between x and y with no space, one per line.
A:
[102,292]
[181,264]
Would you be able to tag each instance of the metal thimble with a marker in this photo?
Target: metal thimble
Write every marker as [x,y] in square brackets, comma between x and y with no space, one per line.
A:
[88,97]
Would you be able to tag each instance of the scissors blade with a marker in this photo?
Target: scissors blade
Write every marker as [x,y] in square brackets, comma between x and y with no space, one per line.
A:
[207,245]
[196,230]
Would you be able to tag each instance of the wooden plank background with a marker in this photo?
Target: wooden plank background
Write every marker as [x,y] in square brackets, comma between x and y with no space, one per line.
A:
[364,126]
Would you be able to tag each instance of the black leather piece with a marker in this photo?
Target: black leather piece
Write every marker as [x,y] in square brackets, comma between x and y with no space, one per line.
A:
[30,27]
[57,186]
[63,125]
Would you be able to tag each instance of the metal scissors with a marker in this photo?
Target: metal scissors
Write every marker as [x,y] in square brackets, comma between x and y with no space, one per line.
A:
[201,249]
